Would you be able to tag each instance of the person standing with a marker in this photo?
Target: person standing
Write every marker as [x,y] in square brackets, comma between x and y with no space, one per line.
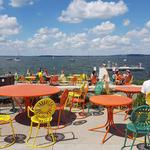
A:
[104,77]
[146,91]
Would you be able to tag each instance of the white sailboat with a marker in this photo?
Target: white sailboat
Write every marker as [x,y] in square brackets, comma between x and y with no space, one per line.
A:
[17,59]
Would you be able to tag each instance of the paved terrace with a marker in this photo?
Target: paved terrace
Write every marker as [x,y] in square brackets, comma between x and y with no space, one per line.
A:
[75,136]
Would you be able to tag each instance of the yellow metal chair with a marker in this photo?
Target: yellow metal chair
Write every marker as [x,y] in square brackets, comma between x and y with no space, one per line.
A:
[43,111]
[76,92]
[80,99]
[6,119]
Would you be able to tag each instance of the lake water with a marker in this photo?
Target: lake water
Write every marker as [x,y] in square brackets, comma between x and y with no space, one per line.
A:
[71,64]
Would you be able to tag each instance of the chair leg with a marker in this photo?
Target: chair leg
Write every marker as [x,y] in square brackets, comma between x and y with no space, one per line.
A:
[59,115]
[126,134]
[30,133]
[135,135]
[13,133]
[89,106]
[83,107]
[50,132]
[12,129]
[37,130]
[71,105]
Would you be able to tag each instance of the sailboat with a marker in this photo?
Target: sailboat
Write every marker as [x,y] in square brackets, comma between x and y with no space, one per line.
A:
[17,59]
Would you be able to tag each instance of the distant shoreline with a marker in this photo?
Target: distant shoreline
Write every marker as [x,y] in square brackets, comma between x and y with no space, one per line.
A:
[75,55]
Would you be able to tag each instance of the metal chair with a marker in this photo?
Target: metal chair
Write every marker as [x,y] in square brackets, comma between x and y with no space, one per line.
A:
[6,119]
[97,91]
[60,106]
[76,92]
[79,100]
[140,124]
[43,111]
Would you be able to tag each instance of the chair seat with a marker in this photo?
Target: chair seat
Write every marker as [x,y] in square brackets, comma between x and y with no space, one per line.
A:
[59,106]
[77,100]
[141,129]
[75,94]
[43,120]
[5,118]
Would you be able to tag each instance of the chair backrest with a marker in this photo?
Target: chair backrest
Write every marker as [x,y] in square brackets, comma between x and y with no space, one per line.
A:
[54,79]
[44,108]
[98,88]
[74,80]
[129,80]
[85,92]
[64,97]
[141,117]
[81,88]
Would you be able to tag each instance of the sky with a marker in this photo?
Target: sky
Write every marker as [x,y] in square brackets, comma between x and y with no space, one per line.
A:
[74,27]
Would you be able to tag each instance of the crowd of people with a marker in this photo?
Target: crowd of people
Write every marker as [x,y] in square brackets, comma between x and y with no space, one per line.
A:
[118,78]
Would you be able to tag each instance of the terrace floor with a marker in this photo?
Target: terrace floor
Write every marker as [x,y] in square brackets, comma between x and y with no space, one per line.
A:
[75,136]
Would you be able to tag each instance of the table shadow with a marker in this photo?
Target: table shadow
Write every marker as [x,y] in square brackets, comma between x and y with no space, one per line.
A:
[67,118]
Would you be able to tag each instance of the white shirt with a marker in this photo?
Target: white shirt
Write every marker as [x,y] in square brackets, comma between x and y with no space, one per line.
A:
[146,87]
[103,74]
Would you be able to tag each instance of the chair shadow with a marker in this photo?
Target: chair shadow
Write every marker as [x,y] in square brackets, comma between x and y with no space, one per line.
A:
[141,146]
[120,131]
[19,138]
[67,118]
[65,136]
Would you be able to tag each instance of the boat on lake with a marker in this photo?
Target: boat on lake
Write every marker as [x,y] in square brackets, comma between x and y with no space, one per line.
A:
[125,67]
[17,59]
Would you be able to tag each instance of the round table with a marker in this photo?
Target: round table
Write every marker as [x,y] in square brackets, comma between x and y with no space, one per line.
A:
[27,91]
[110,102]
[129,90]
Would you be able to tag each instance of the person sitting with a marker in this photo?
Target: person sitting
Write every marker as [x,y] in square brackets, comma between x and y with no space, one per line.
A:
[128,78]
[40,73]
[119,78]
[93,78]
[62,77]
[28,73]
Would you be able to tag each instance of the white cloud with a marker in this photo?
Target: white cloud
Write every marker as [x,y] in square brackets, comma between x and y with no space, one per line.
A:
[104,28]
[8,25]
[148,24]
[126,22]
[78,10]
[1,4]
[54,41]
[20,3]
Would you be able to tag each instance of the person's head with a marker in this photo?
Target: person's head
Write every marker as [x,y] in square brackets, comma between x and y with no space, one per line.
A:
[62,71]
[103,65]
[116,71]
[128,71]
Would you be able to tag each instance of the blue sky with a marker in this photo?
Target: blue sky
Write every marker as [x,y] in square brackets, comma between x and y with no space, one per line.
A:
[74,27]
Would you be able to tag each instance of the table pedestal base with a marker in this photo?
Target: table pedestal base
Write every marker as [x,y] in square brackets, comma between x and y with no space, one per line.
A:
[109,123]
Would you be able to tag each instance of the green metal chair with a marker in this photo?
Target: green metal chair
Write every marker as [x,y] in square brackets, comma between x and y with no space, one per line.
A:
[140,124]
[97,91]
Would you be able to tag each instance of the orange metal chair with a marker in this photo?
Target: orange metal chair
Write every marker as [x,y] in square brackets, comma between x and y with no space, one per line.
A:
[54,80]
[60,106]
[42,80]
[74,80]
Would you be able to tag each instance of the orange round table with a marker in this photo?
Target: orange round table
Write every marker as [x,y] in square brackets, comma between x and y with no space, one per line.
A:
[109,101]
[128,90]
[27,91]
